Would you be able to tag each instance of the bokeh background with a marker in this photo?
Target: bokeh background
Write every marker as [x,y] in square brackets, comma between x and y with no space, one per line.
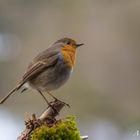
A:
[104,90]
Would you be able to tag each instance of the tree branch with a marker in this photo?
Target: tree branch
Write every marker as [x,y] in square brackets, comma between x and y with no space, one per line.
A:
[48,117]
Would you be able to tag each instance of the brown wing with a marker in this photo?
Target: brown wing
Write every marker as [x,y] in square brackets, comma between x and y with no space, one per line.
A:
[38,67]
[32,71]
[42,61]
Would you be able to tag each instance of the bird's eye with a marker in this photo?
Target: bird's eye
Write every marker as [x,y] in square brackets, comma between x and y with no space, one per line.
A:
[68,43]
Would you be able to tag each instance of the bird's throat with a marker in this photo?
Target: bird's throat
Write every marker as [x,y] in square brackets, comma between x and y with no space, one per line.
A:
[69,53]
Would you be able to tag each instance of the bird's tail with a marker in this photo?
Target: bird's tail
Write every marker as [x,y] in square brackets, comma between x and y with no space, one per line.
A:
[11,92]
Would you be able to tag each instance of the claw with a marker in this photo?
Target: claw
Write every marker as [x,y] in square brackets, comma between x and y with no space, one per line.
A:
[58,99]
[53,108]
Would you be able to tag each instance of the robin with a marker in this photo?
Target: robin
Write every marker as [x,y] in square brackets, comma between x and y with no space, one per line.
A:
[50,69]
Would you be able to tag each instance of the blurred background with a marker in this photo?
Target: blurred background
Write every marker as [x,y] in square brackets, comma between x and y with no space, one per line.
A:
[104,90]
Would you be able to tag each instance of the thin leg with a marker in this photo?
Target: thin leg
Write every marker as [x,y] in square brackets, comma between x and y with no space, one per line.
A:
[44,97]
[47,101]
[57,99]
[52,95]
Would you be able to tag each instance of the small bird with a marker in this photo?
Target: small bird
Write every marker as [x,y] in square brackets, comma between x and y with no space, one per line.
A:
[50,69]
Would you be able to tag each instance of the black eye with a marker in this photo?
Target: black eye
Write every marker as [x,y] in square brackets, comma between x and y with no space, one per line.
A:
[68,43]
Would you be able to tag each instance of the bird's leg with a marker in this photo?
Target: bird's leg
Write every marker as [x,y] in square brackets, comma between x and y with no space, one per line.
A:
[57,99]
[44,97]
[47,101]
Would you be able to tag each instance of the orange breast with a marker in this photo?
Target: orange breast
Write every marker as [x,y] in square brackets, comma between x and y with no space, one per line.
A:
[68,53]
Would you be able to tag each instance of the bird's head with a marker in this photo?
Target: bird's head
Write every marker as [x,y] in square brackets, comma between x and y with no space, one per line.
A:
[68,43]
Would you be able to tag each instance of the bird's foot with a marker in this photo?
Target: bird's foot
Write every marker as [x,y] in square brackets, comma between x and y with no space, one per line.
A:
[58,100]
[63,102]
[53,108]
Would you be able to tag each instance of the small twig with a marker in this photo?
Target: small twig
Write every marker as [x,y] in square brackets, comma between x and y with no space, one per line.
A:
[84,137]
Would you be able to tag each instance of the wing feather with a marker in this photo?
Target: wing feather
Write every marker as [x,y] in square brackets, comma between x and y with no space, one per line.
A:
[38,67]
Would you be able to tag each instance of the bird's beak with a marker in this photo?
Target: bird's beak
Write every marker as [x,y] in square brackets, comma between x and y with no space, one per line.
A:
[78,45]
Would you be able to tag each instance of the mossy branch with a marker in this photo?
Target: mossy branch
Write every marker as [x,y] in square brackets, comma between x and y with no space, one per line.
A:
[47,127]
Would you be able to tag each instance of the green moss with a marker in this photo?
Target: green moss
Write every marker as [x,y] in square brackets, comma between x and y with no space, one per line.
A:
[63,130]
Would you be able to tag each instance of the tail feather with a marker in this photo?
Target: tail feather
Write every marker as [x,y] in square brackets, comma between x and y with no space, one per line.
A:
[11,92]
